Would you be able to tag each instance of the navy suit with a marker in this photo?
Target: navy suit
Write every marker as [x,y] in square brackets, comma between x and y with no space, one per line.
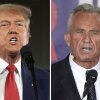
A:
[42,80]
[63,85]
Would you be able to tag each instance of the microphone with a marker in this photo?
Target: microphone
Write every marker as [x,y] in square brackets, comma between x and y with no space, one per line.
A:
[91,77]
[26,54]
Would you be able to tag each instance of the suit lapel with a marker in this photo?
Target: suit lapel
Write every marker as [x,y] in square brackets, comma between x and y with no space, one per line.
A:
[28,90]
[68,82]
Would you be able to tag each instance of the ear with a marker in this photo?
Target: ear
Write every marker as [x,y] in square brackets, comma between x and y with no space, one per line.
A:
[67,38]
[26,38]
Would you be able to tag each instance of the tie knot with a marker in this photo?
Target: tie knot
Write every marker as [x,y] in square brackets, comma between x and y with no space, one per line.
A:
[11,67]
[91,75]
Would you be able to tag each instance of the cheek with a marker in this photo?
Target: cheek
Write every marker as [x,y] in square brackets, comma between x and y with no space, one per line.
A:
[75,44]
[25,38]
[97,46]
[2,39]
[74,40]
[96,43]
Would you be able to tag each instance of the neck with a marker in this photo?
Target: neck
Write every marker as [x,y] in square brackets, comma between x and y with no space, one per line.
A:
[87,64]
[11,57]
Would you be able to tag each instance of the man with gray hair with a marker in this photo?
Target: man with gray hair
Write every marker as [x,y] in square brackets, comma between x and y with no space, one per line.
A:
[15,78]
[77,77]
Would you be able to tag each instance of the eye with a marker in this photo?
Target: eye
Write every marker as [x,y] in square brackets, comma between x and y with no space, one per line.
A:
[80,31]
[95,32]
[4,24]
[19,24]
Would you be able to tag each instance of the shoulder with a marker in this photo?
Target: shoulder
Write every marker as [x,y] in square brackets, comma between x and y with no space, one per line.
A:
[41,79]
[43,83]
[60,69]
[60,64]
[41,74]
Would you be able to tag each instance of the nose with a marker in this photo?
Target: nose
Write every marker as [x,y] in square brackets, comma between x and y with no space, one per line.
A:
[87,38]
[12,32]
[12,28]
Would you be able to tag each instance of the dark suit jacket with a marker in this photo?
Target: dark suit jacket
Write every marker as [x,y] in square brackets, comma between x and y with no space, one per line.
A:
[63,85]
[42,80]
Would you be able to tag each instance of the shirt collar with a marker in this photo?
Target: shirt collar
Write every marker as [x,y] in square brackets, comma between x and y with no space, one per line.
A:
[81,70]
[18,66]
[4,64]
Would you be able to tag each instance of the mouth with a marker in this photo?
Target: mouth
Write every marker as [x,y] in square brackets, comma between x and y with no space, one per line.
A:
[87,49]
[13,40]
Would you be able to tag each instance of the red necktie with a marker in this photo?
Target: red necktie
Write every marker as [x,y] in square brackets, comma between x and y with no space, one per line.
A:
[11,91]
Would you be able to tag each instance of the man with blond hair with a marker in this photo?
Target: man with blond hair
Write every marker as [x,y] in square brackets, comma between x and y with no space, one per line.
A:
[15,79]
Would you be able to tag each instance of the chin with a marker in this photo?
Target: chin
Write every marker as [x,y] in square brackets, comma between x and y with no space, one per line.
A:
[13,50]
[86,59]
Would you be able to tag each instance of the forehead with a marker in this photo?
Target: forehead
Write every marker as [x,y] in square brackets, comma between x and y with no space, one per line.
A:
[84,19]
[10,14]
[87,16]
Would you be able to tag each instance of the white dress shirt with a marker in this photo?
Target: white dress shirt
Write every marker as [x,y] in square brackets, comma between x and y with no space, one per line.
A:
[3,75]
[79,73]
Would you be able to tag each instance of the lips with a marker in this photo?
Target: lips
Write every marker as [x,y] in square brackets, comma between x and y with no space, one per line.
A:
[13,40]
[87,49]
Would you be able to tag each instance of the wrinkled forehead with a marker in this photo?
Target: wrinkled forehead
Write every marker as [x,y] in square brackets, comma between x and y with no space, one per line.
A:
[14,12]
[87,15]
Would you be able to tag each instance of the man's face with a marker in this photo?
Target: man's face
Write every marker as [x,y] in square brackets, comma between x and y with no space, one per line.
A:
[84,37]
[13,31]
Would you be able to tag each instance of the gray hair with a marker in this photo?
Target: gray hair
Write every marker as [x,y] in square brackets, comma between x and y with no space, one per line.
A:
[82,8]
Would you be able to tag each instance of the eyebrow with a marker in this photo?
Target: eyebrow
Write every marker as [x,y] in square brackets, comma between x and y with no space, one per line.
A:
[9,21]
[4,21]
[19,21]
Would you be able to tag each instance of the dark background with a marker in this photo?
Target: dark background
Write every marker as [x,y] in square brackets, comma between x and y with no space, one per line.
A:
[39,28]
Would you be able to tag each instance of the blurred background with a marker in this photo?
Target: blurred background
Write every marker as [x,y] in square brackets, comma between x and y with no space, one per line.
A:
[40,41]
